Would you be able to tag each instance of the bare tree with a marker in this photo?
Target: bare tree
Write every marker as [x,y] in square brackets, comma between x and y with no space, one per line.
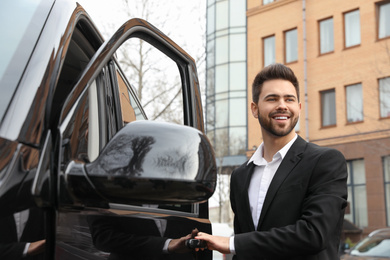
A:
[155,77]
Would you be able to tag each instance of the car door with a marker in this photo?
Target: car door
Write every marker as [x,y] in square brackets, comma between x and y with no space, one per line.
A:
[108,209]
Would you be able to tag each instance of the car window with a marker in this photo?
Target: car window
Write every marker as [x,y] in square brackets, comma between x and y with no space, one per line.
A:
[78,54]
[155,78]
[93,140]
[93,121]
[130,107]
[81,141]
[27,18]
[149,87]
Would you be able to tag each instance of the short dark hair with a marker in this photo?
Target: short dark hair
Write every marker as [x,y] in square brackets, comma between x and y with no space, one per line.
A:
[273,71]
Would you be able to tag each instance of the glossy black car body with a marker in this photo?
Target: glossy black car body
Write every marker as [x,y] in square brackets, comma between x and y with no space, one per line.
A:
[80,161]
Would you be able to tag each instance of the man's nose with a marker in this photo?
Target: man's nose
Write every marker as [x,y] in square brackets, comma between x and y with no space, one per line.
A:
[281,105]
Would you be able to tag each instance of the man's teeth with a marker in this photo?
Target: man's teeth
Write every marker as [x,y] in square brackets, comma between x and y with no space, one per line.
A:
[281,117]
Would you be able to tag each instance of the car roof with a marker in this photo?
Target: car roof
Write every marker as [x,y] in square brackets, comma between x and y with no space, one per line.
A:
[380,232]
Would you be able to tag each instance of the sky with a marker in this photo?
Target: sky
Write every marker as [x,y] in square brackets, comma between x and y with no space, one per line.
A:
[184,21]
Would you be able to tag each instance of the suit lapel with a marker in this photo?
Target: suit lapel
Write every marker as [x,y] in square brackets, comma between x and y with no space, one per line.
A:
[291,159]
[244,195]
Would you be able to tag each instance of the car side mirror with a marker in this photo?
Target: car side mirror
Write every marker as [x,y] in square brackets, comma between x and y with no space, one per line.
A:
[147,162]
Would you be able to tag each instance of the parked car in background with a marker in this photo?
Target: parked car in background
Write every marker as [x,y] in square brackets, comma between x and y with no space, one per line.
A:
[375,246]
[82,169]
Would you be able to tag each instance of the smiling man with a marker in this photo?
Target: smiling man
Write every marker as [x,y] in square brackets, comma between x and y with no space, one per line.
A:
[289,198]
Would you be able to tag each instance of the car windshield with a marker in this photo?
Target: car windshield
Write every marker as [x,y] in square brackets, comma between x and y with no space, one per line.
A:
[376,246]
[21,23]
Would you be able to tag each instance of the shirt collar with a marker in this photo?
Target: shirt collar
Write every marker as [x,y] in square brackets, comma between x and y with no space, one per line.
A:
[258,159]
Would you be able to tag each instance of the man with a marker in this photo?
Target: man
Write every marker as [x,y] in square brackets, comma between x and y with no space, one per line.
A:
[22,235]
[289,198]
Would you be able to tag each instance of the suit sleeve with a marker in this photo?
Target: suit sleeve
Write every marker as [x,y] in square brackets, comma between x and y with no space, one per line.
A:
[320,220]
[233,205]
[11,251]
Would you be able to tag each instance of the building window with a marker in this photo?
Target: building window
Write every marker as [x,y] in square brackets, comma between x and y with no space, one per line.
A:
[384,97]
[328,107]
[291,45]
[326,36]
[265,2]
[354,95]
[352,28]
[357,194]
[384,20]
[269,50]
[386,172]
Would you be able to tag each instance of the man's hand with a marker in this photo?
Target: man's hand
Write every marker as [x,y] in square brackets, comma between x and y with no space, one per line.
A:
[37,247]
[220,244]
[179,245]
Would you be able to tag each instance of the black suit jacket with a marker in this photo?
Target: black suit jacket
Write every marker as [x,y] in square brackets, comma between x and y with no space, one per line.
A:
[10,247]
[303,211]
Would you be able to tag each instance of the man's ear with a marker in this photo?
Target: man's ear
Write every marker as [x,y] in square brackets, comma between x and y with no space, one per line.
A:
[255,110]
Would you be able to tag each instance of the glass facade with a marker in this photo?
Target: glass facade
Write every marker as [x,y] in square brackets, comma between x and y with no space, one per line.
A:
[226,82]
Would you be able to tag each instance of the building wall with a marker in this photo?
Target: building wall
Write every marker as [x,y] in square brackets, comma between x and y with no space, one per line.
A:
[365,63]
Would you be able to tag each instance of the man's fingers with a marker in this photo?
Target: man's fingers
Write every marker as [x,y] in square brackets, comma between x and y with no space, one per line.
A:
[202,235]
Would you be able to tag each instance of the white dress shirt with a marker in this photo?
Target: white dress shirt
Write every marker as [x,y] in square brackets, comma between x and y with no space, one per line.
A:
[261,179]
[20,222]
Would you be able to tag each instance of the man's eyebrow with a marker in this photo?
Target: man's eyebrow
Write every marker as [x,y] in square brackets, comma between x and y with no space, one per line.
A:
[293,96]
[276,95]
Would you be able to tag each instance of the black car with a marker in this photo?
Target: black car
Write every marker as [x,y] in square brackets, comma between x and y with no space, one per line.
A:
[84,174]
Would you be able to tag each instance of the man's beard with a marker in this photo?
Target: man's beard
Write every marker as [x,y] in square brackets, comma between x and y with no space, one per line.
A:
[266,124]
